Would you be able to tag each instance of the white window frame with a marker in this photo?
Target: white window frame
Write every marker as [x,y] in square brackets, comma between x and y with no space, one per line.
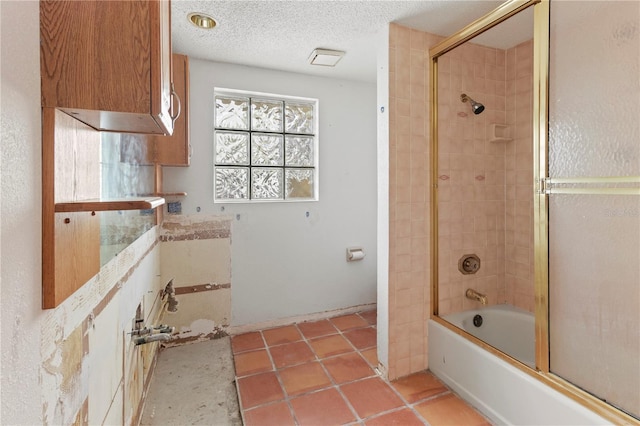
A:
[275,97]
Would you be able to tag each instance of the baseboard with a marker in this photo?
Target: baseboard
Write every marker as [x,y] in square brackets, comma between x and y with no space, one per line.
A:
[280,322]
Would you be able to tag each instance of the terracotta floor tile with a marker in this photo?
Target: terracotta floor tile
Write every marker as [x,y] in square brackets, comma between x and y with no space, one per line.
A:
[348,367]
[291,354]
[275,414]
[370,316]
[404,417]
[449,410]
[371,396]
[281,335]
[326,407]
[371,355]
[252,362]
[259,389]
[347,322]
[304,378]
[330,345]
[362,338]
[247,342]
[309,384]
[317,329]
[419,386]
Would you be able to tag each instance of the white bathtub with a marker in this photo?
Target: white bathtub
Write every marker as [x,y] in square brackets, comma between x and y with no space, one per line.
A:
[501,391]
[506,328]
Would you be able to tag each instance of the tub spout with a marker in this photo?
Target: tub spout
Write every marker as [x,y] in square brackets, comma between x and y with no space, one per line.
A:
[474,295]
[153,338]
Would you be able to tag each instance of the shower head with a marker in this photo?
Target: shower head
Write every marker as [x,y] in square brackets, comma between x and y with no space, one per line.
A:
[476,107]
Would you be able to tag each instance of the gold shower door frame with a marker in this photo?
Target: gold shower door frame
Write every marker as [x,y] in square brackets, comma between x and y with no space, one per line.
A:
[543,186]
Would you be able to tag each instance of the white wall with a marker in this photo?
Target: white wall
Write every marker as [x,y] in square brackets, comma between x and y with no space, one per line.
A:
[284,263]
[383,196]
[20,214]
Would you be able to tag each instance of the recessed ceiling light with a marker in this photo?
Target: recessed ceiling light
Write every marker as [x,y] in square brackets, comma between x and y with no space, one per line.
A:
[201,20]
[325,57]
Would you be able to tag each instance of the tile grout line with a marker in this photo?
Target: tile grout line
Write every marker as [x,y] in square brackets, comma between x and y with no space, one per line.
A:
[319,360]
[336,385]
[280,382]
[237,380]
[265,348]
[275,370]
[388,383]
[406,403]
[240,401]
[355,350]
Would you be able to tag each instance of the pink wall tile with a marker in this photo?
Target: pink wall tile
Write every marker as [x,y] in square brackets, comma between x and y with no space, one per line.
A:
[409,232]
[484,197]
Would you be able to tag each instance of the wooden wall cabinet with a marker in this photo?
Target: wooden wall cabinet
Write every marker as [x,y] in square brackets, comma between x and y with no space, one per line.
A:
[108,63]
[166,150]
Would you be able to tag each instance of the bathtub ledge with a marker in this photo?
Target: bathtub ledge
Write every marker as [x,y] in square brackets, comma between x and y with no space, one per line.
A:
[502,392]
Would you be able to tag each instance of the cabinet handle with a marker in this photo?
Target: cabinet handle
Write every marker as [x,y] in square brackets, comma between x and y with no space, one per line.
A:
[175,95]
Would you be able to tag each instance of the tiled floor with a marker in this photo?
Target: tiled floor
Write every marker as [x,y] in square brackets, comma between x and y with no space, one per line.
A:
[322,373]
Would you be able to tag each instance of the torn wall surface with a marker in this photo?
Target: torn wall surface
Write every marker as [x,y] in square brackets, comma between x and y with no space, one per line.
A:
[196,255]
[85,345]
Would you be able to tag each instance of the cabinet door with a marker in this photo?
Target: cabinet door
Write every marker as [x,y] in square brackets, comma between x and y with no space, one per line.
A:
[161,96]
[108,63]
[175,150]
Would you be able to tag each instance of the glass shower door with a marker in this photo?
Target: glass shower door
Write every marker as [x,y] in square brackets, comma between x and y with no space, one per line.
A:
[593,192]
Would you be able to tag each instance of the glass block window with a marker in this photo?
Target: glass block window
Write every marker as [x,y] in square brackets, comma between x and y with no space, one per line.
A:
[265,147]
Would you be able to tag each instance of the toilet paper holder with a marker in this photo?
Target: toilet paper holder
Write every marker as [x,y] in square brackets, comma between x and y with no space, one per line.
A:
[355,253]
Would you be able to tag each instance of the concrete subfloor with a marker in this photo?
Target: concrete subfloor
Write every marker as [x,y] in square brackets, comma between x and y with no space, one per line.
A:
[194,385]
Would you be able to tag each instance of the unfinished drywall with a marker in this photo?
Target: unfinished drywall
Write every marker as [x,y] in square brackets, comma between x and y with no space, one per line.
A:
[289,259]
[196,257]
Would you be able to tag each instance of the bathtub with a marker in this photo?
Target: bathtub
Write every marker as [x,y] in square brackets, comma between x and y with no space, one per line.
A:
[506,328]
[501,391]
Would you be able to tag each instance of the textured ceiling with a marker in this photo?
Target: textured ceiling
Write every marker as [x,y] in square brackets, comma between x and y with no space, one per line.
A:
[282,34]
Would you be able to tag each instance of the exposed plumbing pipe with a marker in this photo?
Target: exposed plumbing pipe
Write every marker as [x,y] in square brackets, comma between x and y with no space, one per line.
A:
[159,337]
[162,328]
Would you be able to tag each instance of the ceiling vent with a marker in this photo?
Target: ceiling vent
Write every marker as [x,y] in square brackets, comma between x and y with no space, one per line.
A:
[325,57]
